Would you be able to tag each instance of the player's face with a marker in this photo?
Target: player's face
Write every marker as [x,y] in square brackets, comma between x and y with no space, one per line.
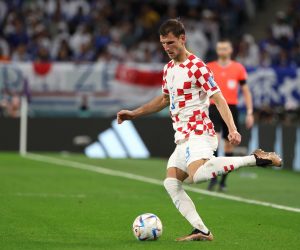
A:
[224,50]
[173,45]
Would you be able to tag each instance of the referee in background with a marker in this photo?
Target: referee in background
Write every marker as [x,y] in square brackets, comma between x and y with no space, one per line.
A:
[230,76]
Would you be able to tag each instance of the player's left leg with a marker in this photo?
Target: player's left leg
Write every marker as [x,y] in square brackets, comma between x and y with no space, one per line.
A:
[222,165]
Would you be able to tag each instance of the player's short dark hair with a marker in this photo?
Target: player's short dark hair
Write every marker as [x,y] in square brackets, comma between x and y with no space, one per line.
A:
[173,26]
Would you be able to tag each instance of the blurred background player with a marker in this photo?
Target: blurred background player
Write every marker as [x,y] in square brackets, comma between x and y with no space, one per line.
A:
[230,75]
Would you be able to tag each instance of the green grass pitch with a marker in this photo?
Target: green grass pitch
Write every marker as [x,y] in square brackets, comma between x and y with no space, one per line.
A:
[47,206]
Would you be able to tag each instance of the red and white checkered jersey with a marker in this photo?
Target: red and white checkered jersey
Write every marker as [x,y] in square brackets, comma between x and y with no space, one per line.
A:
[189,85]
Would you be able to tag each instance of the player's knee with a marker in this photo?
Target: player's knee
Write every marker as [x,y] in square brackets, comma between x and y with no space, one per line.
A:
[168,183]
[172,184]
[193,168]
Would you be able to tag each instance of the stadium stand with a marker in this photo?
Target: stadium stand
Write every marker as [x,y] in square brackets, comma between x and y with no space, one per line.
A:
[92,30]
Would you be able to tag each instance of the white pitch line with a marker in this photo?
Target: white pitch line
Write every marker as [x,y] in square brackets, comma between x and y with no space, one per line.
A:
[101,170]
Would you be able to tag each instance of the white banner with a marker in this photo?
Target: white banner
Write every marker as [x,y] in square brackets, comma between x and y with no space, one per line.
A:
[102,89]
[66,87]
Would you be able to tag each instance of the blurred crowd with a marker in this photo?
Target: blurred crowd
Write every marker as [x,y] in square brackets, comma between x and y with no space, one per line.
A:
[281,44]
[92,30]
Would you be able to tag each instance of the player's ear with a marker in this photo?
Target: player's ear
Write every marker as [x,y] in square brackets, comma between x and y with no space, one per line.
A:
[182,38]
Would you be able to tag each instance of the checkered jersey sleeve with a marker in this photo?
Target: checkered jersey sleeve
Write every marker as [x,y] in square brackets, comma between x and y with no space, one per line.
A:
[205,80]
[164,83]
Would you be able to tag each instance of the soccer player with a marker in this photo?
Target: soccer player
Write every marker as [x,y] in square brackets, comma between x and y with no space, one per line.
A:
[187,86]
[229,75]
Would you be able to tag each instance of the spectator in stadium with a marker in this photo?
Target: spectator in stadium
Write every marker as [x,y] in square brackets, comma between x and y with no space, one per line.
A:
[197,43]
[86,54]
[21,54]
[129,34]
[265,59]
[117,49]
[281,28]
[282,60]
[210,27]
[70,7]
[17,34]
[64,52]
[228,16]
[269,45]
[103,37]
[80,37]
[149,18]
[248,52]
[80,17]
[43,55]
[104,56]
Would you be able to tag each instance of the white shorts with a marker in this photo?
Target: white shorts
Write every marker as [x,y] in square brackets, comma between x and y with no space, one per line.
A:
[197,147]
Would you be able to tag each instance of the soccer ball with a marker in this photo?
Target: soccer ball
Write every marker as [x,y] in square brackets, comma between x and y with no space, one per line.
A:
[147,227]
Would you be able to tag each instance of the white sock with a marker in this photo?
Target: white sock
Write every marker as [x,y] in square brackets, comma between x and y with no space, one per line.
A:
[221,165]
[184,203]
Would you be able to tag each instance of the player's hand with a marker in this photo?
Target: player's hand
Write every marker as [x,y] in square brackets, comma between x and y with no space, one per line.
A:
[249,121]
[234,137]
[124,115]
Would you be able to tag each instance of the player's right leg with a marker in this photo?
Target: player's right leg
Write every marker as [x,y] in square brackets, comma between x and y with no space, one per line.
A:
[176,174]
[173,184]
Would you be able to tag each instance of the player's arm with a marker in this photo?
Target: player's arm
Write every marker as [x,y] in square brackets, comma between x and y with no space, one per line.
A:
[155,105]
[234,137]
[248,101]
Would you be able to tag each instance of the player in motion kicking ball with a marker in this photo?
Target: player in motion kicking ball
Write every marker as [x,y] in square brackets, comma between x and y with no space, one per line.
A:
[187,86]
